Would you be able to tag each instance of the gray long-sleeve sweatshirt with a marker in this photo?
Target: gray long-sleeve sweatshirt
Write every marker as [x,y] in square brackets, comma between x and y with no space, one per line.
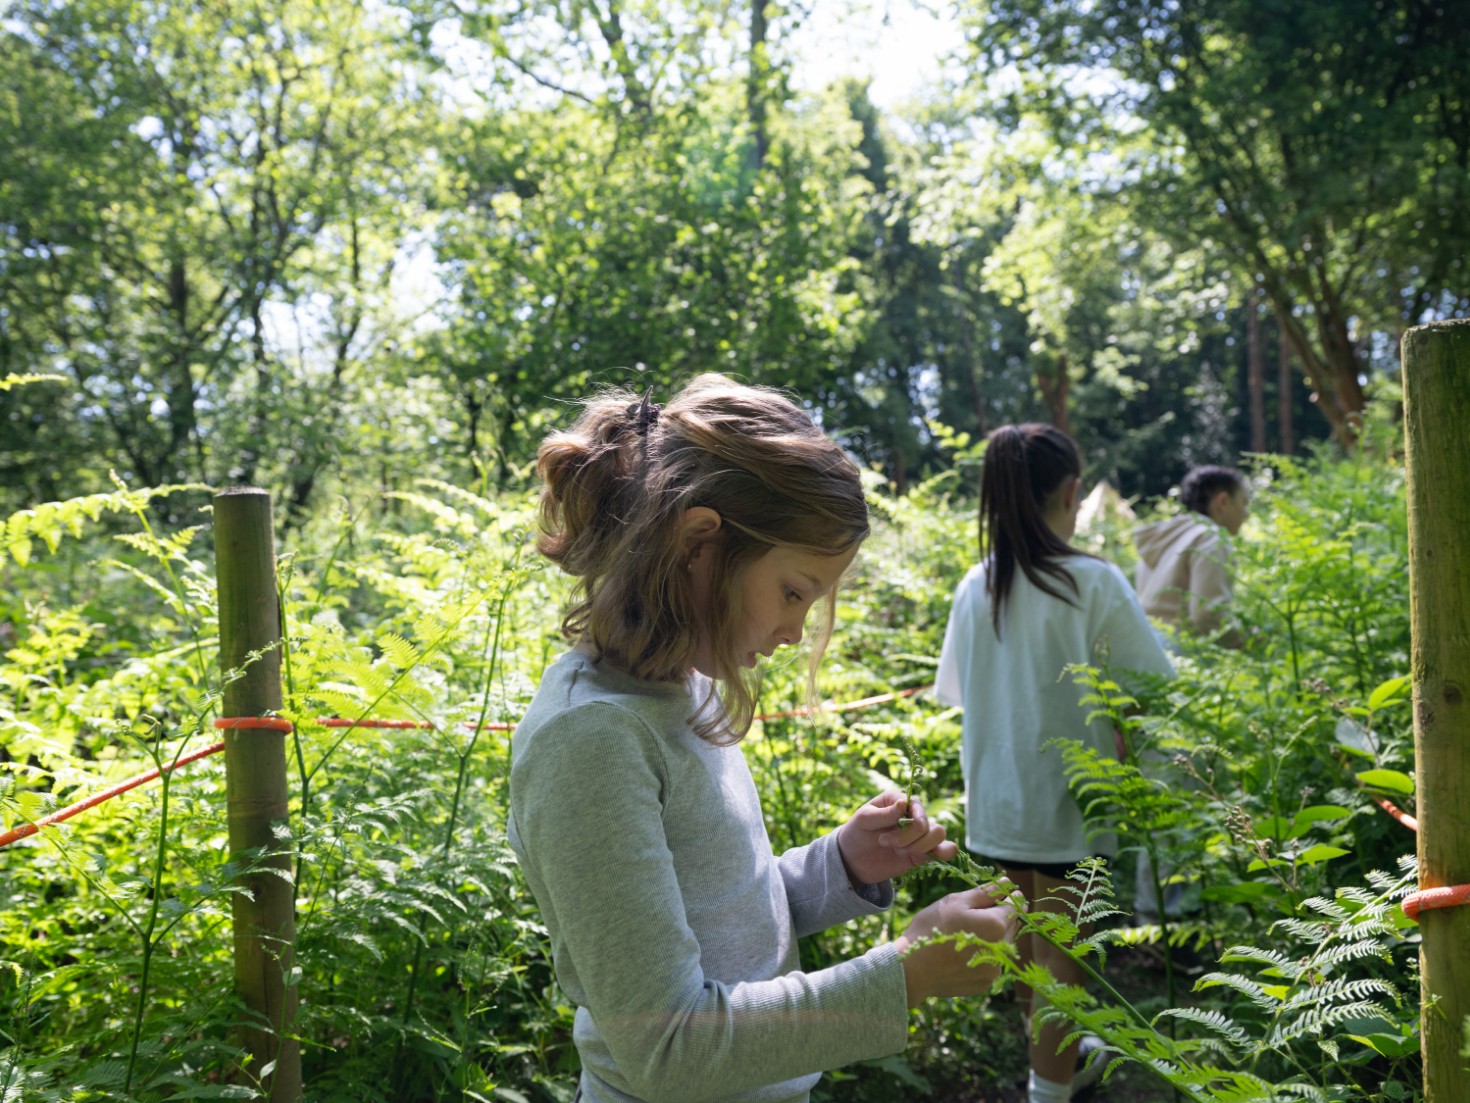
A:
[673,925]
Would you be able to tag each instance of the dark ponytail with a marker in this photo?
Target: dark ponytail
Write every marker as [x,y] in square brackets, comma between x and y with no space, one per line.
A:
[1024,467]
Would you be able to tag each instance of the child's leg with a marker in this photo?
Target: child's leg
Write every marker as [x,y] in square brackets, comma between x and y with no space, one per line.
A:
[1044,894]
[1023,880]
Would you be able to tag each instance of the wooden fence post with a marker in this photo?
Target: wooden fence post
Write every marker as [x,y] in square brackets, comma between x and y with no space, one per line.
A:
[1436,366]
[255,773]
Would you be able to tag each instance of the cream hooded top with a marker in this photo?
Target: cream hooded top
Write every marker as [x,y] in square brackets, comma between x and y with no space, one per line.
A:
[1183,574]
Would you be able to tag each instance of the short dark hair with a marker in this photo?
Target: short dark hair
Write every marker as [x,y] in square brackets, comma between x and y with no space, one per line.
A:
[1199,487]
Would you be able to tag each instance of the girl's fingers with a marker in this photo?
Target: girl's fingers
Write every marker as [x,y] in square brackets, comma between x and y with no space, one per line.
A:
[920,848]
[945,851]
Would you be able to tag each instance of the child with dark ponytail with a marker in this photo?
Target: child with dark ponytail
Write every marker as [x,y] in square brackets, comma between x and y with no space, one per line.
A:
[700,534]
[1032,606]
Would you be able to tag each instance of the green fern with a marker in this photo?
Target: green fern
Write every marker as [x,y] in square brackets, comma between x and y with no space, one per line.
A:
[51,522]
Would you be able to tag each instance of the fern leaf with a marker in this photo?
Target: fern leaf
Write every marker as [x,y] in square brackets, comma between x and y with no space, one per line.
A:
[1212,1020]
[402,654]
[1244,985]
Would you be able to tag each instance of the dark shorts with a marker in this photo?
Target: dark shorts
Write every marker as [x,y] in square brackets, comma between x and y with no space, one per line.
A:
[1057,870]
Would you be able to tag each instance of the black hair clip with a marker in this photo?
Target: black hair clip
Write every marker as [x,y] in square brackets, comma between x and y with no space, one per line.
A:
[644,413]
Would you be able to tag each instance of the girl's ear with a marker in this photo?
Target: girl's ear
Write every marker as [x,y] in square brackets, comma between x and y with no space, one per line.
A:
[698,527]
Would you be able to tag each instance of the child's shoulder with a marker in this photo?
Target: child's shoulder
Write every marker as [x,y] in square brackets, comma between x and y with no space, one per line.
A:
[1092,566]
[1097,576]
[580,696]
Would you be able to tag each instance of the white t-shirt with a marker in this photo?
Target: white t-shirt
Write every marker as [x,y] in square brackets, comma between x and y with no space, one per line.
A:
[1016,698]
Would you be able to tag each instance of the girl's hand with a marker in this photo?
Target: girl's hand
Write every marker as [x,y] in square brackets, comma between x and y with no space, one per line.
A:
[944,969]
[874,847]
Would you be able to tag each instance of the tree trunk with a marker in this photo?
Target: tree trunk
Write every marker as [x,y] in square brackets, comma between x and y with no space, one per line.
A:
[756,81]
[1335,387]
[1436,361]
[1054,386]
[1255,371]
[968,355]
[255,787]
[473,405]
[1285,405]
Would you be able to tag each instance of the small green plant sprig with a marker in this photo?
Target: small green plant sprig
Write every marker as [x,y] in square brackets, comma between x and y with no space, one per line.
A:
[916,772]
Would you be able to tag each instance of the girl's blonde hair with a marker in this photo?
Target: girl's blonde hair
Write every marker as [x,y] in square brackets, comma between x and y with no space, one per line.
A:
[618,482]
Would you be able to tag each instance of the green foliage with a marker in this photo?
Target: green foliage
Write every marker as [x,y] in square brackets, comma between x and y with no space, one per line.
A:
[314,246]
[423,964]
[1289,139]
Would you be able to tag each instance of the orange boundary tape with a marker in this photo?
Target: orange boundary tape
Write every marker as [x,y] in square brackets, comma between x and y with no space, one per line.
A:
[276,723]
[1398,813]
[253,723]
[1387,805]
[343,722]
[1425,899]
[833,706]
[27,829]
[280,724]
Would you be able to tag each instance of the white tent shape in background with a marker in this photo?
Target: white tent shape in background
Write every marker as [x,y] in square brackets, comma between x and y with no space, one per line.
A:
[1104,503]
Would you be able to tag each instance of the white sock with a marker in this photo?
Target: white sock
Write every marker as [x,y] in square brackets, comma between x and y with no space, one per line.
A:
[1047,1091]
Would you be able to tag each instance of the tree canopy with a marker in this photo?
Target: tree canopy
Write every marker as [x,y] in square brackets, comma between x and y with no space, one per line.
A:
[324,247]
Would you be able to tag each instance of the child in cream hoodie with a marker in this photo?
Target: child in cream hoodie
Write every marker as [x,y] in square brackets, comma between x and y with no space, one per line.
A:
[1183,574]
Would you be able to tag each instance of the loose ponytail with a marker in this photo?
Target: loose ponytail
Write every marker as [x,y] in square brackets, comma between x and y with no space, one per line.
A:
[616,484]
[1024,467]
[590,479]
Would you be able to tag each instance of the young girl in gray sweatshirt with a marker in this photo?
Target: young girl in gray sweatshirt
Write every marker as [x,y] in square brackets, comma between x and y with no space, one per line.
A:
[700,535]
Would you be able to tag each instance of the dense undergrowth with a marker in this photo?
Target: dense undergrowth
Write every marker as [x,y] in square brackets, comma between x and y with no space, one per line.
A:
[423,967]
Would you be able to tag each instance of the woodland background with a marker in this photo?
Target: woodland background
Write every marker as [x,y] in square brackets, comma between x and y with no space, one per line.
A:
[318,245]
[365,255]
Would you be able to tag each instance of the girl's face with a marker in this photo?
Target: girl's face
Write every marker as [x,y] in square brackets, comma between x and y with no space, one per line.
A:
[1231,509]
[774,593]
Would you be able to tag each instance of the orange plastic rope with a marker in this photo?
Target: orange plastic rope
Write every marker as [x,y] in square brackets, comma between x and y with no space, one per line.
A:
[253,723]
[28,829]
[1399,814]
[832,706]
[276,723]
[1387,805]
[1425,899]
[343,722]
[280,724]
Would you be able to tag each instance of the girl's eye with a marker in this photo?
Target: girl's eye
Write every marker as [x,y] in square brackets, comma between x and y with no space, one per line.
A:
[792,596]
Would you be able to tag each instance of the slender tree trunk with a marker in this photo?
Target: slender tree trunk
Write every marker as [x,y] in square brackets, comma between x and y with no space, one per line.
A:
[1285,405]
[756,82]
[1255,371]
[474,406]
[968,354]
[1334,379]
[1436,361]
[248,460]
[180,397]
[1054,385]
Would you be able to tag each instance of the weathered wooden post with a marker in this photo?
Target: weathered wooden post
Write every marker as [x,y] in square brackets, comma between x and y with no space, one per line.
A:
[1436,365]
[255,773]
